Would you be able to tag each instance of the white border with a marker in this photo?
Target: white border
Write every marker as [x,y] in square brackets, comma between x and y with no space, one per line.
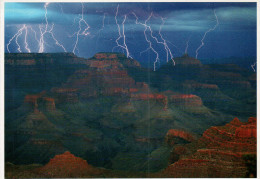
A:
[2,89]
[2,61]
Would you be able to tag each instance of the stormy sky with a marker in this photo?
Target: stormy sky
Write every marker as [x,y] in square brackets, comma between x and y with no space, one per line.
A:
[179,24]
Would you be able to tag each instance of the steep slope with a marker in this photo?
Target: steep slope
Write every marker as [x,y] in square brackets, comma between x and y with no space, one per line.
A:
[67,165]
[220,152]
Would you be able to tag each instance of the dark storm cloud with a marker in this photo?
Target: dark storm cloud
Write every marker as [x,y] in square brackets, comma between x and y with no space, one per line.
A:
[181,20]
[179,16]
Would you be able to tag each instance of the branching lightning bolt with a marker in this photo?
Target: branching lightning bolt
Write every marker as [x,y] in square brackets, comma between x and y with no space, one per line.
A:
[16,36]
[19,32]
[124,46]
[25,40]
[253,66]
[164,43]
[41,44]
[79,33]
[45,31]
[167,49]
[56,41]
[211,29]
[147,40]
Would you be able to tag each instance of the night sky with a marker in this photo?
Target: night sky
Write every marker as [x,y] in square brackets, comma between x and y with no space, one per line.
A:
[235,35]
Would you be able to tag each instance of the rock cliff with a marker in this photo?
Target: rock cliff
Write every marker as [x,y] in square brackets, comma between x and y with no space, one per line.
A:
[220,152]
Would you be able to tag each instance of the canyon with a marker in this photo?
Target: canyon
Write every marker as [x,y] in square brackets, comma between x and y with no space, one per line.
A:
[110,117]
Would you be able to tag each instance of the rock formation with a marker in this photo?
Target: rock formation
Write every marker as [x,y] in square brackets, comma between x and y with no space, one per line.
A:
[33,100]
[186,60]
[174,133]
[66,165]
[219,152]
[186,100]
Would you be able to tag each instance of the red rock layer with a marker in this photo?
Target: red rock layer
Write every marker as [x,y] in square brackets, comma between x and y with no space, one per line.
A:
[33,99]
[172,133]
[186,100]
[105,75]
[219,152]
[66,165]
[105,56]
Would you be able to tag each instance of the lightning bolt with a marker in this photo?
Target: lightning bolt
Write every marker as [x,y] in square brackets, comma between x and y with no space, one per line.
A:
[25,40]
[147,40]
[35,34]
[16,36]
[103,22]
[164,43]
[211,29]
[187,45]
[79,33]
[56,41]
[253,66]
[120,35]
[167,49]
[45,31]
[126,48]
[41,44]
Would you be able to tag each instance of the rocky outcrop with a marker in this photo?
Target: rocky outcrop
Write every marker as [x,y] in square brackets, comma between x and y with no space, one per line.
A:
[218,153]
[105,75]
[102,64]
[149,96]
[186,100]
[50,103]
[66,94]
[32,59]
[66,165]
[20,62]
[34,99]
[195,85]
[247,130]
[186,60]
[108,56]
[174,133]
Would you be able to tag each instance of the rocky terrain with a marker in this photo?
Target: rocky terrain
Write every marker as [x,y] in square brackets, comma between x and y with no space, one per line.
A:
[109,111]
[222,151]
[66,165]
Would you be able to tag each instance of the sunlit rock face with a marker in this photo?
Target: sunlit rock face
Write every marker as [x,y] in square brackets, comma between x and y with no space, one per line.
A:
[66,165]
[219,152]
